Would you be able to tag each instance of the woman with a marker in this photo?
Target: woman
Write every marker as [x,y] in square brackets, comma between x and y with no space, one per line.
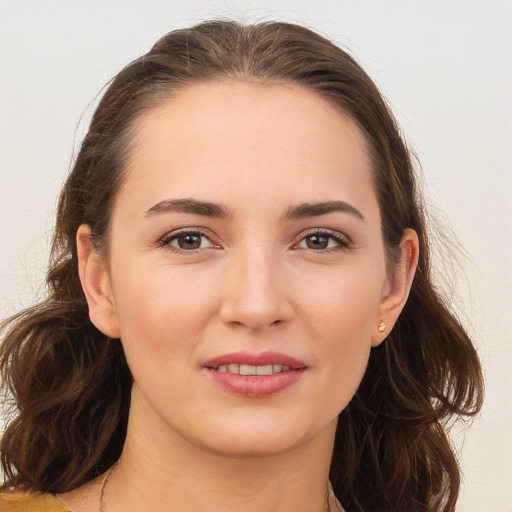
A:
[241,314]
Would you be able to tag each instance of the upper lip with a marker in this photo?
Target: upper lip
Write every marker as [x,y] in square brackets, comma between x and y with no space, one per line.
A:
[262,359]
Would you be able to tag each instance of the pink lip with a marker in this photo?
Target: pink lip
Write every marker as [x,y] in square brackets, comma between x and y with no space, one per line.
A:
[262,359]
[255,386]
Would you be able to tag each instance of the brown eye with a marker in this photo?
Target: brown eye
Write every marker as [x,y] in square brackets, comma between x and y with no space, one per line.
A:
[317,242]
[186,241]
[324,241]
[189,241]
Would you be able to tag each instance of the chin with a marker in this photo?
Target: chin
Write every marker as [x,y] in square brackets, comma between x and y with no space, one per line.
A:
[249,446]
[260,439]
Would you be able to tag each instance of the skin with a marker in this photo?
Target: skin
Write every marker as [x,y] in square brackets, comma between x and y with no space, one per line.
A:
[256,281]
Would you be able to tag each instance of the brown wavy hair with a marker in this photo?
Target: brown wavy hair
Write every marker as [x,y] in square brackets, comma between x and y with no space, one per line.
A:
[71,384]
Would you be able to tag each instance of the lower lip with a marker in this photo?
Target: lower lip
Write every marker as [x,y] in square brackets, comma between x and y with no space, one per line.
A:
[256,386]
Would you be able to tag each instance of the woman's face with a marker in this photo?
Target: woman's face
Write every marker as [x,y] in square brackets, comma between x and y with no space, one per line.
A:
[246,270]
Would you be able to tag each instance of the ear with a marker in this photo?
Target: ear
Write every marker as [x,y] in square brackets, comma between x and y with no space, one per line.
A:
[397,288]
[96,284]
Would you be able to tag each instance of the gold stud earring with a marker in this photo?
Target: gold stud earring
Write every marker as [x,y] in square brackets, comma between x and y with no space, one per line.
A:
[381,327]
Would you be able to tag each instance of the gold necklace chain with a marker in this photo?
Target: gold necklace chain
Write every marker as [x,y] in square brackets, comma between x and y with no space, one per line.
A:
[102,490]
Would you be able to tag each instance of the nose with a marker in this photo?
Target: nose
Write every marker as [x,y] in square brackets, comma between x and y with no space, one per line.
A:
[255,292]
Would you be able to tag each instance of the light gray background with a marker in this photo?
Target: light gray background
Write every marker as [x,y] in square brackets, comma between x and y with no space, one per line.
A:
[445,67]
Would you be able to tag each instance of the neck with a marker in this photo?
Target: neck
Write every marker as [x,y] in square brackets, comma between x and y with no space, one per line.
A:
[159,470]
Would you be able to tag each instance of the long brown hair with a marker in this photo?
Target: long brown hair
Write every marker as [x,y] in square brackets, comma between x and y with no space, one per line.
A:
[71,384]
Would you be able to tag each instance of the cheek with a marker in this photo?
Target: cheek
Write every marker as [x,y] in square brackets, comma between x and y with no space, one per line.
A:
[344,304]
[161,318]
[161,310]
[340,317]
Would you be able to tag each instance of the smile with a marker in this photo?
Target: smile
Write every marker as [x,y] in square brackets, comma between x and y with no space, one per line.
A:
[255,375]
[247,369]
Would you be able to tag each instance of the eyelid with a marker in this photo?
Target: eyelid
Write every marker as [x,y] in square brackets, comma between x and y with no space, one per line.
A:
[345,243]
[165,240]
[343,240]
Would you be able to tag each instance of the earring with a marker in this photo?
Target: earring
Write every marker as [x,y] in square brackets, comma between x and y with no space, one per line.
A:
[381,327]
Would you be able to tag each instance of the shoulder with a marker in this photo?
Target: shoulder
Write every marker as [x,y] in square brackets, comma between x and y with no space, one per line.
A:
[21,501]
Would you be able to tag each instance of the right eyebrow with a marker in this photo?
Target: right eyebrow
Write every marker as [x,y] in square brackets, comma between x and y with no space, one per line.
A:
[305,210]
[189,206]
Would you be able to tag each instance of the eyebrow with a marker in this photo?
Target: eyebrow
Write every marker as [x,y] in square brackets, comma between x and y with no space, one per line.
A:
[304,210]
[189,206]
[216,210]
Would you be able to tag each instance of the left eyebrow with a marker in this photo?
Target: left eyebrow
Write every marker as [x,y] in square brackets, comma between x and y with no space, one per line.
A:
[304,210]
[189,206]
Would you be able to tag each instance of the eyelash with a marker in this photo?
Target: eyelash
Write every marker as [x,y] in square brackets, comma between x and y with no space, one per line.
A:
[343,242]
[168,238]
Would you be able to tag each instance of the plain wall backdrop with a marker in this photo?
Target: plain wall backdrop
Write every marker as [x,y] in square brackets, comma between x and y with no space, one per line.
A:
[445,67]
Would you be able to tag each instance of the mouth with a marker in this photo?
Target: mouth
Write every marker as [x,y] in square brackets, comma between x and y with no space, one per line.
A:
[255,375]
[247,369]
[264,363]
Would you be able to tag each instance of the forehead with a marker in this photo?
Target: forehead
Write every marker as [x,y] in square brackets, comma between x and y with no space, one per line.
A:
[247,109]
[213,137]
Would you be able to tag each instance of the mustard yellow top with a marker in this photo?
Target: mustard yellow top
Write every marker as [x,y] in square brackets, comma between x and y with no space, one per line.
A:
[17,501]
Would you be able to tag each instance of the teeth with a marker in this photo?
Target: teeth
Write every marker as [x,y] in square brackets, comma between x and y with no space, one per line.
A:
[247,369]
[265,370]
